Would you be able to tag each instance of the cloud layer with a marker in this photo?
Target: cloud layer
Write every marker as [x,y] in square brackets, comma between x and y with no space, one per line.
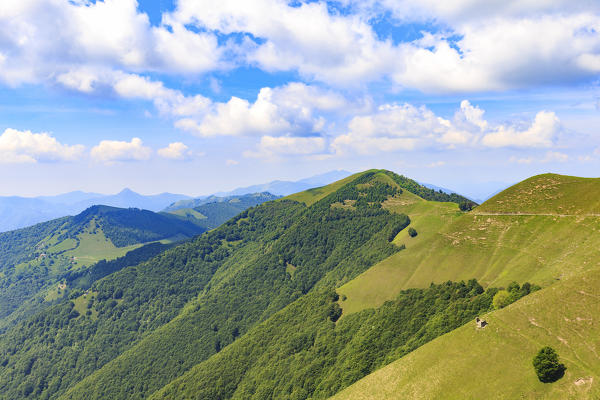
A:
[465,46]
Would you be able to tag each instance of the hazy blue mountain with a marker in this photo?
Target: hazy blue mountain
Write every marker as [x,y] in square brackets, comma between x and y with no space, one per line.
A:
[18,212]
[284,188]
[246,201]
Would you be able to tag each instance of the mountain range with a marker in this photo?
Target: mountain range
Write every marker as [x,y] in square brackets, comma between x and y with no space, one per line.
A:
[374,286]
[18,212]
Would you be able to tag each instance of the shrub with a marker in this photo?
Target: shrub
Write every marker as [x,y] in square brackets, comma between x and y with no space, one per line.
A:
[335,312]
[547,366]
[412,232]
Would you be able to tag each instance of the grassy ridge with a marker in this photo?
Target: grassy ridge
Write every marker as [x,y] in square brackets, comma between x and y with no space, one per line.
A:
[495,249]
[548,194]
[495,362]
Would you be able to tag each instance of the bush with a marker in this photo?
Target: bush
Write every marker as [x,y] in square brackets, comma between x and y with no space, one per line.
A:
[412,232]
[547,366]
[466,205]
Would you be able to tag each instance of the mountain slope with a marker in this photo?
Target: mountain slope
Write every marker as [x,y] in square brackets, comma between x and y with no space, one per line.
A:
[151,323]
[548,194]
[495,362]
[34,260]
[503,240]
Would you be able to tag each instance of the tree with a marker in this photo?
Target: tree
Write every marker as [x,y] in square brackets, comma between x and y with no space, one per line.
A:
[412,232]
[547,365]
[501,299]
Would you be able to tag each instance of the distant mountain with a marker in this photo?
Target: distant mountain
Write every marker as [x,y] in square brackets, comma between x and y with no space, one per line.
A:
[213,211]
[34,260]
[246,200]
[284,188]
[18,212]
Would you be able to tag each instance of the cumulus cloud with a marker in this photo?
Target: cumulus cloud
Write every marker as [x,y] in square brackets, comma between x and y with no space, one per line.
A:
[43,39]
[292,109]
[308,38]
[541,133]
[175,151]
[474,45]
[403,127]
[110,151]
[27,147]
[393,127]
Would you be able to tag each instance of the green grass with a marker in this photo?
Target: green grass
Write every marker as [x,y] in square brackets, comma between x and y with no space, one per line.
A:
[496,362]
[94,247]
[378,284]
[547,194]
[81,303]
[494,249]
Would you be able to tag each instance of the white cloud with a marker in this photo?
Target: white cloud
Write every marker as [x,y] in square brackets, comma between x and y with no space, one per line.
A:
[27,147]
[293,109]
[393,127]
[270,146]
[230,162]
[405,127]
[541,133]
[175,151]
[328,47]
[43,39]
[483,45]
[109,151]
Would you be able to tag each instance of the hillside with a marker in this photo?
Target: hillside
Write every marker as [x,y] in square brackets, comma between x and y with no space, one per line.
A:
[151,323]
[35,260]
[489,244]
[495,362]
[213,211]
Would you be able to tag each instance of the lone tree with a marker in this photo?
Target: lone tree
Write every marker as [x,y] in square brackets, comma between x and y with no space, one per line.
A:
[547,366]
[412,232]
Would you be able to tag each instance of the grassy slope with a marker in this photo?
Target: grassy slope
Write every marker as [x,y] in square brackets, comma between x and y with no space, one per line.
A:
[495,249]
[495,362]
[548,193]
[374,287]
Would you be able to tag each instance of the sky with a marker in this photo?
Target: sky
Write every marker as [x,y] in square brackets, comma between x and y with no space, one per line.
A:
[198,96]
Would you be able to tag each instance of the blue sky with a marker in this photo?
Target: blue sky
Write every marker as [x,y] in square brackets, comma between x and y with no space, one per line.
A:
[196,96]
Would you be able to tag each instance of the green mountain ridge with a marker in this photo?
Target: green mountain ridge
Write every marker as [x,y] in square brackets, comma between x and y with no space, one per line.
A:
[326,293]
